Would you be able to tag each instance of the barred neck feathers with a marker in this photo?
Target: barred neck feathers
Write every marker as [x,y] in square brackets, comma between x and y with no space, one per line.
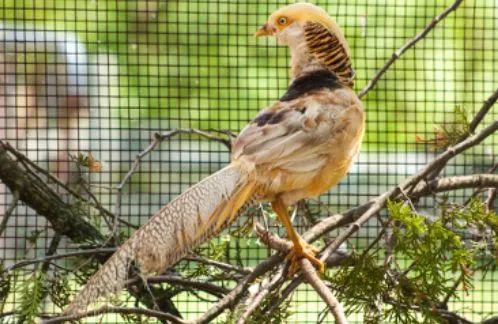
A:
[320,48]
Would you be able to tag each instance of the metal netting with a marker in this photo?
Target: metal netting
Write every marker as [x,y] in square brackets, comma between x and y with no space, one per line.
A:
[96,79]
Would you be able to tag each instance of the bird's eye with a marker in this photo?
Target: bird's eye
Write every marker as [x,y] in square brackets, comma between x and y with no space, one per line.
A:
[282,20]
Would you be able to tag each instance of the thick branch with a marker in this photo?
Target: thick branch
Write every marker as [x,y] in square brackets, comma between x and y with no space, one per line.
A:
[455,183]
[65,219]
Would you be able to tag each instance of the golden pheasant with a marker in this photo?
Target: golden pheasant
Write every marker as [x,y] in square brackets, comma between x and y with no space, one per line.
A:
[297,148]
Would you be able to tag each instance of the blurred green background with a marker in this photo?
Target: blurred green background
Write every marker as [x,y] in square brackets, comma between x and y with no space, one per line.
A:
[196,63]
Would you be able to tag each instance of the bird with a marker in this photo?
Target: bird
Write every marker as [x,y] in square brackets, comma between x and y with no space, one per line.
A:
[299,147]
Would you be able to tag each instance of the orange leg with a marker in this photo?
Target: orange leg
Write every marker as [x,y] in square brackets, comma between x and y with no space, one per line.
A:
[301,249]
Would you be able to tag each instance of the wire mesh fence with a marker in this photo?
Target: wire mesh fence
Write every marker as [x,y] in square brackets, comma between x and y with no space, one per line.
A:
[86,84]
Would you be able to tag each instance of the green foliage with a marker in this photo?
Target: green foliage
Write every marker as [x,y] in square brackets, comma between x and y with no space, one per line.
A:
[449,133]
[34,235]
[5,284]
[360,282]
[31,291]
[430,262]
[59,290]
[459,127]
[437,254]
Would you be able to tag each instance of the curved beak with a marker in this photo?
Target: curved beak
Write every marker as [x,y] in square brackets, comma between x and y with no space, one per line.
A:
[265,30]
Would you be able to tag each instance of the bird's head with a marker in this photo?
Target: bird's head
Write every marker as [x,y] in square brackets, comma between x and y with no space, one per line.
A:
[287,23]
[315,39]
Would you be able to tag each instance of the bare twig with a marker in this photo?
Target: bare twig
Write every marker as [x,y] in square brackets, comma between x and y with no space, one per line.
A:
[218,264]
[492,169]
[266,289]
[25,263]
[374,242]
[54,244]
[9,211]
[451,292]
[156,140]
[289,289]
[271,239]
[116,310]
[172,279]
[234,296]
[6,314]
[325,293]
[490,199]
[396,55]
[483,111]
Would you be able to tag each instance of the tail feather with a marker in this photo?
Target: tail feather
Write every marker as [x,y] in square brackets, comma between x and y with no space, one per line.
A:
[187,221]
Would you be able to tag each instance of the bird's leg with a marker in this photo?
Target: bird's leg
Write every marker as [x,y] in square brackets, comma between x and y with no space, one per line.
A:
[300,249]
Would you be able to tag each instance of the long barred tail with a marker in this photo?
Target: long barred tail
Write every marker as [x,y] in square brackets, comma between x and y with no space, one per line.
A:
[187,221]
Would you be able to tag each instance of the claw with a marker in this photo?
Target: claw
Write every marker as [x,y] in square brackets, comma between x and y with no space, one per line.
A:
[303,250]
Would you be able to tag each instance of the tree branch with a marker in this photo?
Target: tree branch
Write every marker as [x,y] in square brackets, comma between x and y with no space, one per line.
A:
[218,264]
[204,286]
[234,296]
[65,219]
[455,183]
[483,111]
[116,310]
[25,263]
[9,211]
[358,216]
[400,51]
[323,291]
[254,302]
[156,140]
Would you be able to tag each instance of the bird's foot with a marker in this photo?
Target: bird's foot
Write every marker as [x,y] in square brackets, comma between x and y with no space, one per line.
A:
[300,251]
